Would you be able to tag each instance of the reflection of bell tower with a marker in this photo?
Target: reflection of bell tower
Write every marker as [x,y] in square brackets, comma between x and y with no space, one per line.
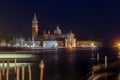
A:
[34,27]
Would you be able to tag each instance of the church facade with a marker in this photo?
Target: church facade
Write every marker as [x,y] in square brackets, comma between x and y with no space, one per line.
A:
[49,40]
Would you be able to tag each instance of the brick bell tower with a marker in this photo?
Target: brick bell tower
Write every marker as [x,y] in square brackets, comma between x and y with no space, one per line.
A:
[34,27]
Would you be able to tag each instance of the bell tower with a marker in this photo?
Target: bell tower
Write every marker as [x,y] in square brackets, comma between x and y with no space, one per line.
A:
[34,27]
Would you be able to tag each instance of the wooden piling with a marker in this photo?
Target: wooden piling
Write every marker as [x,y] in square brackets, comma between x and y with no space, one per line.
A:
[7,71]
[23,73]
[29,70]
[18,73]
[7,74]
[15,65]
[41,65]
[0,73]
[3,70]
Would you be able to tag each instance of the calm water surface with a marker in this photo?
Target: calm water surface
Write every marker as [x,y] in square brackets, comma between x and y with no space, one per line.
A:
[70,65]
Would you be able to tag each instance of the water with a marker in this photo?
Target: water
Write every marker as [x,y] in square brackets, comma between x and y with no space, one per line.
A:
[68,65]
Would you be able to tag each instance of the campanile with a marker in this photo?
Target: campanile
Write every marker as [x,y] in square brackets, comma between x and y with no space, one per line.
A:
[34,27]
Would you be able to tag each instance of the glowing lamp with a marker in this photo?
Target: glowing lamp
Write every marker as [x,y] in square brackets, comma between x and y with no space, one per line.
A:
[17,44]
[26,45]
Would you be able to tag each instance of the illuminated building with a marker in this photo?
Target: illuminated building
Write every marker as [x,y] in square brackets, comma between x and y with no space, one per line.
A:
[70,41]
[50,44]
[34,27]
[88,43]
[49,39]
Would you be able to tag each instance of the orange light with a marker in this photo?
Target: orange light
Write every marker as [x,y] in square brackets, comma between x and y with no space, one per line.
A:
[70,46]
[117,44]
[36,29]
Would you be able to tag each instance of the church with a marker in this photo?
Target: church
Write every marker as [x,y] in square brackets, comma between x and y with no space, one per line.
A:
[50,40]
[55,39]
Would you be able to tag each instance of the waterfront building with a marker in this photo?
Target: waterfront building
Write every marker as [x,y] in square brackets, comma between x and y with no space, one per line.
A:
[3,43]
[50,44]
[70,41]
[47,38]
[89,43]
[51,39]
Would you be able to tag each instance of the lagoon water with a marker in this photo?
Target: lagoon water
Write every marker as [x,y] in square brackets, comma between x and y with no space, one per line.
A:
[66,64]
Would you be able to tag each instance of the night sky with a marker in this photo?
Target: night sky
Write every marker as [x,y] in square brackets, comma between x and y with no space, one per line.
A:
[86,18]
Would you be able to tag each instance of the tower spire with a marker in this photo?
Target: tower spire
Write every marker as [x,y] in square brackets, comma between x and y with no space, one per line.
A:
[34,27]
[35,18]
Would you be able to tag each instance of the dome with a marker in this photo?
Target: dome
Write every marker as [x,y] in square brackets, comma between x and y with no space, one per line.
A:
[57,31]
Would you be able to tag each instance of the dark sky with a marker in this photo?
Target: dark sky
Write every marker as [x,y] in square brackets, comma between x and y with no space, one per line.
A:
[86,18]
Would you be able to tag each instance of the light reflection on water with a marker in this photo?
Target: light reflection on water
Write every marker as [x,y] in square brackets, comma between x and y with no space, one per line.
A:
[113,59]
[64,64]
[16,56]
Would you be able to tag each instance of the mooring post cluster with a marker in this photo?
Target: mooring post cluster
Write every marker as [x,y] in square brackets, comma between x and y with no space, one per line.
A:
[5,73]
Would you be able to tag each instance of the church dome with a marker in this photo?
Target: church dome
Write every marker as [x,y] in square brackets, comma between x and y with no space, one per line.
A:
[57,31]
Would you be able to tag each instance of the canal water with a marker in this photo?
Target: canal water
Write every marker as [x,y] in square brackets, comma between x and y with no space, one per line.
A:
[65,64]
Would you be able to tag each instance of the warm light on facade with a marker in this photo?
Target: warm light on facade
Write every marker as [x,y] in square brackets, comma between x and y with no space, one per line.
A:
[36,29]
[17,44]
[92,44]
[26,45]
[70,47]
